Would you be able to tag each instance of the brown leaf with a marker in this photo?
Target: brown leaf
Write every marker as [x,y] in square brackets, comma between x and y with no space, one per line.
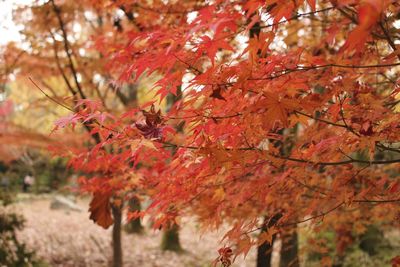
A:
[153,117]
[217,94]
[100,210]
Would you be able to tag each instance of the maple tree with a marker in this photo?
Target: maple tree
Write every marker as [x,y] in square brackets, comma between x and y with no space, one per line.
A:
[56,59]
[289,114]
[61,66]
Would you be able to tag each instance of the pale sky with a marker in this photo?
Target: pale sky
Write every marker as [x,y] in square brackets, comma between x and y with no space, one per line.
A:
[8,30]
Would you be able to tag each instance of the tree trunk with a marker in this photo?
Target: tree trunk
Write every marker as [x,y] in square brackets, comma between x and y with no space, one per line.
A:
[264,254]
[134,226]
[116,237]
[264,251]
[289,252]
[170,240]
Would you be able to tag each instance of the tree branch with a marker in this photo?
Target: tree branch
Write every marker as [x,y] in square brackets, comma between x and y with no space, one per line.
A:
[67,48]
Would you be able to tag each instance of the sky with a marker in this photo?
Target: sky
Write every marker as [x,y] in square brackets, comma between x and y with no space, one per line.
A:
[8,30]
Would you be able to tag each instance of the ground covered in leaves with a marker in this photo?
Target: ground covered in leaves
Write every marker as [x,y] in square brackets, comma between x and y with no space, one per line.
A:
[69,238]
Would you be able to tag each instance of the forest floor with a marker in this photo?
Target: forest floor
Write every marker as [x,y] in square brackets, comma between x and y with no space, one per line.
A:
[64,238]
[69,238]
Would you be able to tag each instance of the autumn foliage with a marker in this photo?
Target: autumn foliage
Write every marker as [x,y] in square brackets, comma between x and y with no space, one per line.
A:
[287,107]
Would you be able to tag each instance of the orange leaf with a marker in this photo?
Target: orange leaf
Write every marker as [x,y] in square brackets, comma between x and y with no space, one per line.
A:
[311,3]
[368,15]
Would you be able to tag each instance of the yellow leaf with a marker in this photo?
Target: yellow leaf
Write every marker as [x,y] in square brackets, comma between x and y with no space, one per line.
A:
[135,144]
[149,144]
[219,194]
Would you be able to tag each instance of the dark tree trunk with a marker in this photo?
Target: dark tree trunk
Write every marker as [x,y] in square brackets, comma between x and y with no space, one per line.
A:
[264,251]
[170,240]
[373,240]
[127,95]
[264,254]
[134,226]
[289,251]
[116,237]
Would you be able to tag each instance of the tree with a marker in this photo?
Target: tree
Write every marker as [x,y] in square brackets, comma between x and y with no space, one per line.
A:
[319,78]
[56,32]
[242,95]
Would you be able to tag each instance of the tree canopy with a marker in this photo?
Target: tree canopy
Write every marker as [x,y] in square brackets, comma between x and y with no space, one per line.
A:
[286,108]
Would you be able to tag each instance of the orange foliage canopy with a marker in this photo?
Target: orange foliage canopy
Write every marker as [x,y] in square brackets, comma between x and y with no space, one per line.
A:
[288,107]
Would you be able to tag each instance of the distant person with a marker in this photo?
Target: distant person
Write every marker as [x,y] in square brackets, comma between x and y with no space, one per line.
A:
[28,182]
